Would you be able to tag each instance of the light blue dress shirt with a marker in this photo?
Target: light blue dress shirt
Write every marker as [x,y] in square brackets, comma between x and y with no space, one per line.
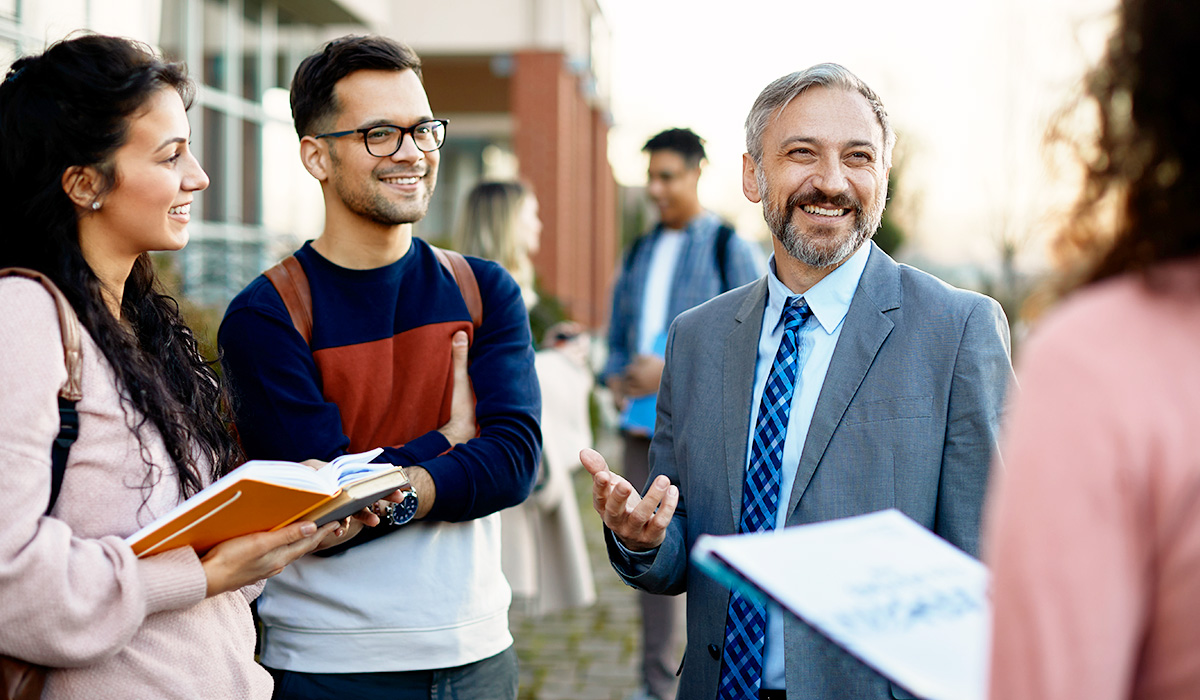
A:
[829,300]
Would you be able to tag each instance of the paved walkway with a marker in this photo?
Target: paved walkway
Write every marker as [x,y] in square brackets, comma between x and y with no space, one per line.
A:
[586,654]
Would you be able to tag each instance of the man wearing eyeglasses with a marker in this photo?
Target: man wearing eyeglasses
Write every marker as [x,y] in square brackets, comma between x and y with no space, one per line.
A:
[416,606]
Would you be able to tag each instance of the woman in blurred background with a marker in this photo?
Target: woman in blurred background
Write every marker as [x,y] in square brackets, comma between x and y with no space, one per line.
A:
[1094,521]
[95,172]
[543,554]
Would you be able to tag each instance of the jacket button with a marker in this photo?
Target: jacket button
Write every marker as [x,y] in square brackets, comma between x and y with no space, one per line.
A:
[714,652]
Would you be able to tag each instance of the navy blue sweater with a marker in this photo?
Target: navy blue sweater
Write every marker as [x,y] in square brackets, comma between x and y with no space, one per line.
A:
[378,374]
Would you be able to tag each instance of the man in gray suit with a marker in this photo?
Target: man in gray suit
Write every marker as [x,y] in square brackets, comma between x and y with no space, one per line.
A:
[840,383]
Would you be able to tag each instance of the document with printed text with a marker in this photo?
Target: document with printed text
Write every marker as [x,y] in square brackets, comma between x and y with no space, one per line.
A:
[904,601]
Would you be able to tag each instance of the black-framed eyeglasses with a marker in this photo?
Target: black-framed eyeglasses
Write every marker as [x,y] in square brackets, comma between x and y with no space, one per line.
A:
[383,140]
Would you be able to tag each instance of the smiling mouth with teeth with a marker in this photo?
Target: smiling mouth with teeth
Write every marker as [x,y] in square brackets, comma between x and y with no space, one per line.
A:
[181,209]
[813,209]
[405,180]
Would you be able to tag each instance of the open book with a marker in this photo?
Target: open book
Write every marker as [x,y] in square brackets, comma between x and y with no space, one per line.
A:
[263,495]
[904,601]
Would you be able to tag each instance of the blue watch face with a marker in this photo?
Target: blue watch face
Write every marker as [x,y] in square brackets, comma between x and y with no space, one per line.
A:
[402,512]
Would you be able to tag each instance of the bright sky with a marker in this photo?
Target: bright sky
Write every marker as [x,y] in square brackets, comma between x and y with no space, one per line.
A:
[970,86]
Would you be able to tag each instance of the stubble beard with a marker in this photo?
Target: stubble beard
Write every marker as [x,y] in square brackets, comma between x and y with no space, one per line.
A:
[807,246]
[374,205]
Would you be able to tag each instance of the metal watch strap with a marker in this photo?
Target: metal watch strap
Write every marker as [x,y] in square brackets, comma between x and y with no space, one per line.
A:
[402,513]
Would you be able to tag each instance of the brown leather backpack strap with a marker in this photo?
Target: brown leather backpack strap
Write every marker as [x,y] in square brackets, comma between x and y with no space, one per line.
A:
[464,276]
[68,324]
[292,284]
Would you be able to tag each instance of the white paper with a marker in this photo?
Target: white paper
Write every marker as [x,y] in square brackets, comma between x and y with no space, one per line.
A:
[906,602]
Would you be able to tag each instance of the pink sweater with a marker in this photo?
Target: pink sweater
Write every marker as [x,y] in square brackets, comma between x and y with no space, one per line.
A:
[72,595]
[1093,531]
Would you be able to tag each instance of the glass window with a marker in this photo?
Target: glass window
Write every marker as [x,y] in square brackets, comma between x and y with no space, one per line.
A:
[213,265]
[251,51]
[253,261]
[171,36]
[213,159]
[459,168]
[216,62]
[252,167]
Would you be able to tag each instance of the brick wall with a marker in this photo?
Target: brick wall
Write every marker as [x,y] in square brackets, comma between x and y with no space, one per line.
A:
[561,142]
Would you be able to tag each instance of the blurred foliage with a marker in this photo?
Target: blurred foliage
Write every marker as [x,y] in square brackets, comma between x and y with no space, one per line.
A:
[548,311]
[1012,287]
[203,320]
[890,236]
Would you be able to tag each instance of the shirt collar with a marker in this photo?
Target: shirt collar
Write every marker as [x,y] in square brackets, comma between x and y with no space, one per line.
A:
[828,299]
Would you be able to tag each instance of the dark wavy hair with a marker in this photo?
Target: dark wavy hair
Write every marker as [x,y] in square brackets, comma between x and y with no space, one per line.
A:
[1145,164]
[72,106]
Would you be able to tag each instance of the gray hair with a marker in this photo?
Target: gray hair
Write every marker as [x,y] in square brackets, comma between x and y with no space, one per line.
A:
[780,93]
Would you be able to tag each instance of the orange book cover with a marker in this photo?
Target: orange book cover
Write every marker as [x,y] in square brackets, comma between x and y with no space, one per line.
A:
[260,496]
[245,506]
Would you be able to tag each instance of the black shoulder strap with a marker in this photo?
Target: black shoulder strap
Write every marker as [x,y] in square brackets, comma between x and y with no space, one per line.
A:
[721,250]
[68,430]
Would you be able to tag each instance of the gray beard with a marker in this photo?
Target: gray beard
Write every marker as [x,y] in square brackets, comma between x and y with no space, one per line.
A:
[805,248]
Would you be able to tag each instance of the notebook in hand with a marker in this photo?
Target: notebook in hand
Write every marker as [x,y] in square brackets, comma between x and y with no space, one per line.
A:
[264,495]
[904,601]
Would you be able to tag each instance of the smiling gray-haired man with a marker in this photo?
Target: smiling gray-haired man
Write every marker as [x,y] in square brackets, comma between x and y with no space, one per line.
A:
[840,383]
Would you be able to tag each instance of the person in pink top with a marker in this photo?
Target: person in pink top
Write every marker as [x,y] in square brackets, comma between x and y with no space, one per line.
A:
[1093,525]
[95,171]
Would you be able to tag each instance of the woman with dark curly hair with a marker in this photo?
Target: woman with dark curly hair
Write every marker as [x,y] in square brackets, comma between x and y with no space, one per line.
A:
[95,171]
[1093,532]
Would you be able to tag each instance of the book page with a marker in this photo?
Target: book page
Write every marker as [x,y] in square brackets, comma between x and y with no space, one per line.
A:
[360,494]
[350,468]
[887,590]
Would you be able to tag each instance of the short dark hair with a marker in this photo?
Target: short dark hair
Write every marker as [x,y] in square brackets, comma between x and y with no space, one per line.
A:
[313,101]
[685,142]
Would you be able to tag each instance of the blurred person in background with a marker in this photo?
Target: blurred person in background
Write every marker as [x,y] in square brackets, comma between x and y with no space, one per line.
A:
[96,172]
[543,552]
[1093,526]
[689,257]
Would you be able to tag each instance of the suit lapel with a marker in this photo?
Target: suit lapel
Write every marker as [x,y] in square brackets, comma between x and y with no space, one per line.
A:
[741,353]
[863,332]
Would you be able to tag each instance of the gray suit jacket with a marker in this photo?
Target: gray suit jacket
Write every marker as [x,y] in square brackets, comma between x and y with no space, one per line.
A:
[907,418]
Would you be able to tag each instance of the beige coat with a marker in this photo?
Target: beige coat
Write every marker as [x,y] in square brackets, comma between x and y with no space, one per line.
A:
[544,555]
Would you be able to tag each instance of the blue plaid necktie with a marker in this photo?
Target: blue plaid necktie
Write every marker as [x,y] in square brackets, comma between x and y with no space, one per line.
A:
[746,621]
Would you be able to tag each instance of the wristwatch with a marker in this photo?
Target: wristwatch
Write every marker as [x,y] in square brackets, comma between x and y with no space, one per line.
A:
[401,513]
